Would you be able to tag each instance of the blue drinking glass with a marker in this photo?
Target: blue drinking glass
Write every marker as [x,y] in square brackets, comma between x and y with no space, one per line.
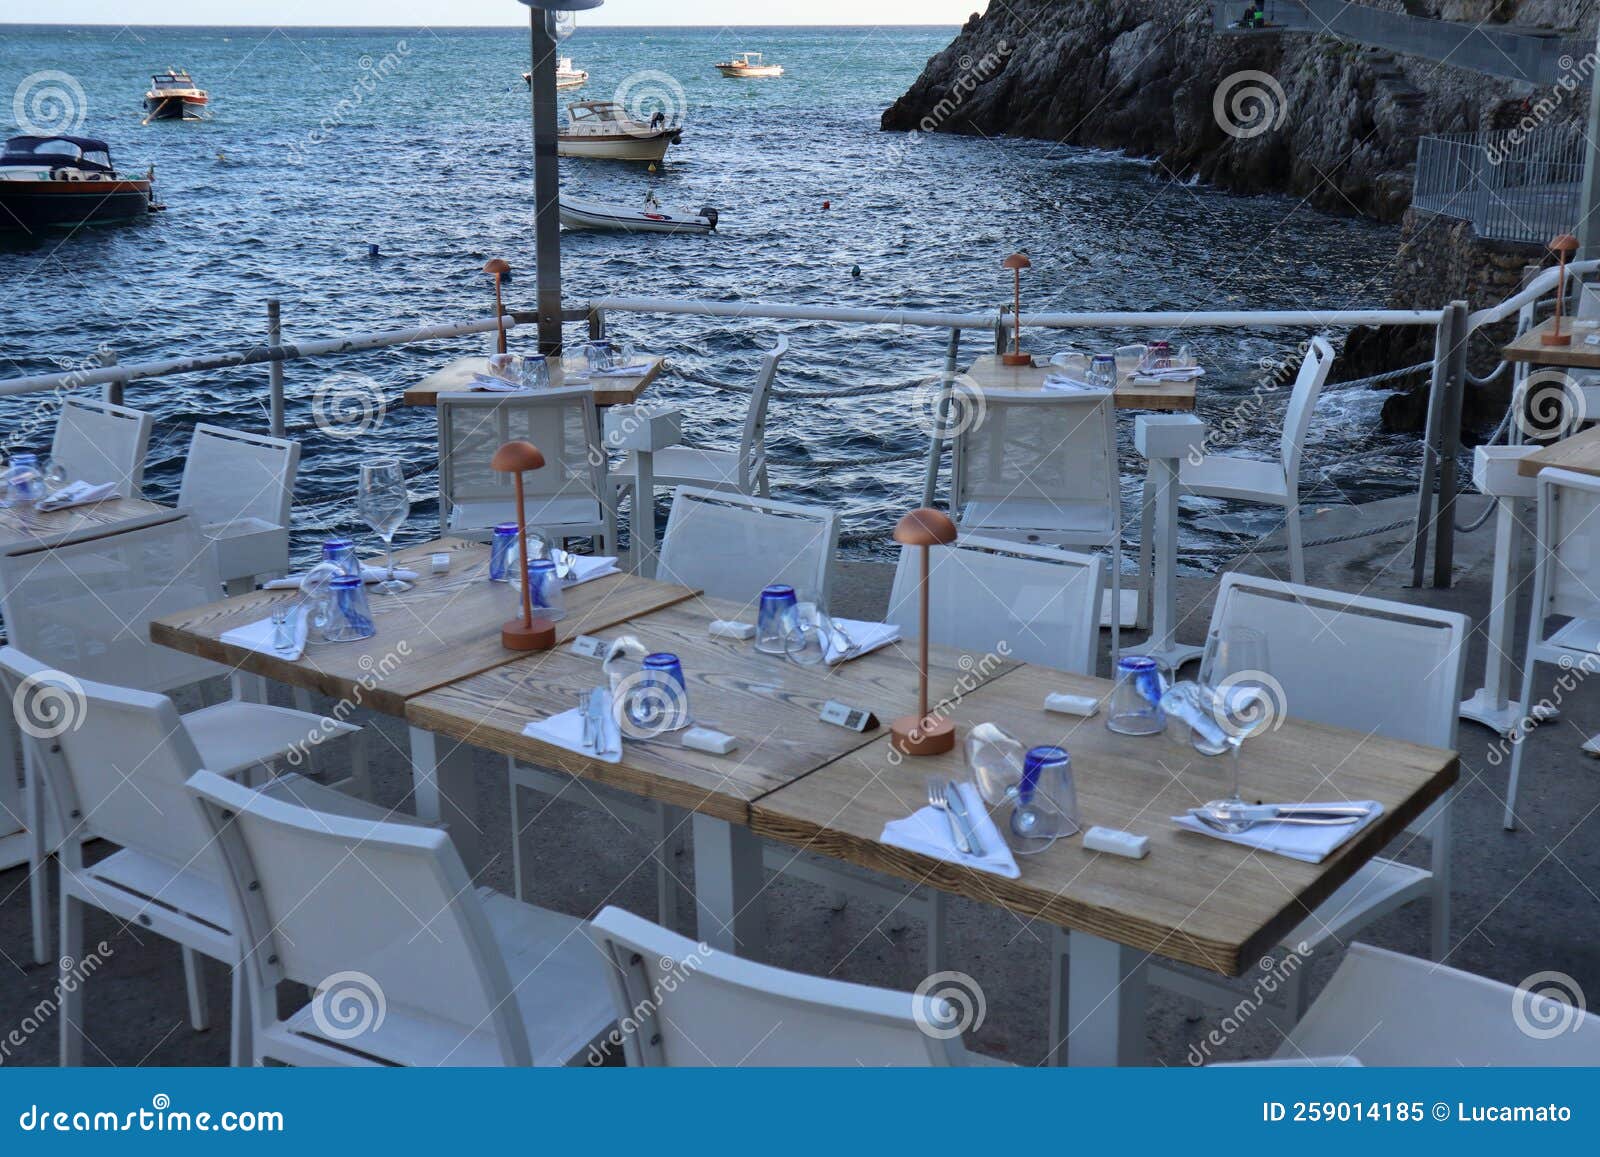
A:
[1047,800]
[341,552]
[501,547]
[775,618]
[658,700]
[351,617]
[544,591]
[1136,699]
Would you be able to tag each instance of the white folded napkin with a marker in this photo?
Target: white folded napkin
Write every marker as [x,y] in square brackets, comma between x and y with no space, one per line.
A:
[864,637]
[634,370]
[78,494]
[1065,385]
[927,831]
[590,566]
[261,635]
[1174,374]
[369,574]
[1310,843]
[566,730]
[496,385]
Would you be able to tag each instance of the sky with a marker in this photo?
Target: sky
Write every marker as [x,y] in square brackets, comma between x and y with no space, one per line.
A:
[412,13]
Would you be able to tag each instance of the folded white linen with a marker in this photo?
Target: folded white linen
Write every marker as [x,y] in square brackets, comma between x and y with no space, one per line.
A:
[262,635]
[369,574]
[927,832]
[1309,843]
[864,637]
[78,494]
[494,385]
[1061,383]
[566,730]
[590,566]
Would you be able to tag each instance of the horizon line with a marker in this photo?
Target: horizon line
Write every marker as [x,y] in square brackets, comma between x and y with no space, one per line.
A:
[485,27]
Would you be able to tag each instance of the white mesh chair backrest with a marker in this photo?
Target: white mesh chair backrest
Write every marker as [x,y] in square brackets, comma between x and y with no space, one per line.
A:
[319,895]
[730,545]
[1391,1011]
[1369,665]
[1029,446]
[1569,543]
[99,442]
[126,758]
[230,475]
[702,1008]
[561,423]
[84,604]
[1040,603]
[1302,402]
[753,440]
[1589,303]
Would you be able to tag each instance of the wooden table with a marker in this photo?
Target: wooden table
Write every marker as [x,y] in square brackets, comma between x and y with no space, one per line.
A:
[1132,393]
[1579,355]
[447,628]
[567,371]
[74,522]
[1193,899]
[1579,452]
[770,703]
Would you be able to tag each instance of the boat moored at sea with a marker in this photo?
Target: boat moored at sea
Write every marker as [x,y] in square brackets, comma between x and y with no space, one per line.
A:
[566,75]
[173,96]
[602,129]
[748,64]
[650,217]
[48,182]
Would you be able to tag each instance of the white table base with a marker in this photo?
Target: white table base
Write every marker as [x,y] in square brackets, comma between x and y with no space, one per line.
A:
[729,891]
[1162,645]
[444,791]
[1105,1023]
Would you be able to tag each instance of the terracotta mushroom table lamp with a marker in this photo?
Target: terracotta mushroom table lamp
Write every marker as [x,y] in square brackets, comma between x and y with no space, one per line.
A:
[497,268]
[919,734]
[515,459]
[1017,262]
[1564,247]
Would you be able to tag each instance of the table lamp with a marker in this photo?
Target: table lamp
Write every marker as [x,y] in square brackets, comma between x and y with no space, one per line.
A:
[1564,247]
[918,734]
[516,458]
[1017,262]
[497,268]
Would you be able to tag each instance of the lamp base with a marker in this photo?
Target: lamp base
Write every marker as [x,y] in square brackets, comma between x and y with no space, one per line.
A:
[1016,359]
[1556,339]
[912,736]
[516,636]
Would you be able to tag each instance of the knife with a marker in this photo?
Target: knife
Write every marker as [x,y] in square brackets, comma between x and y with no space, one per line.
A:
[958,808]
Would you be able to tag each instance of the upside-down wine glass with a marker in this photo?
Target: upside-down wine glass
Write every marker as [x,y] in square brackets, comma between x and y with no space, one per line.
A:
[1240,700]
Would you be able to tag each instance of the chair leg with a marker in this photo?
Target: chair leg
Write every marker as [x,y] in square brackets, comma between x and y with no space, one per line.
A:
[1297,559]
[1509,821]
[1116,601]
[241,1047]
[516,833]
[937,901]
[38,857]
[1439,837]
[1296,996]
[39,900]
[360,766]
[71,1010]
[1060,1018]
[668,833]
[194,979]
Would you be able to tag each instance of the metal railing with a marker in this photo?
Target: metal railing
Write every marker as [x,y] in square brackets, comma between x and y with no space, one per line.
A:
[1511,185]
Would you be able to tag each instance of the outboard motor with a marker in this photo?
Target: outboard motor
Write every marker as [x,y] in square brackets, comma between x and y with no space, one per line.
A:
[709,214]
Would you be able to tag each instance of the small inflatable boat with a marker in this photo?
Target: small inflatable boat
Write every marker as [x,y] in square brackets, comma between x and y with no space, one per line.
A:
[649,217]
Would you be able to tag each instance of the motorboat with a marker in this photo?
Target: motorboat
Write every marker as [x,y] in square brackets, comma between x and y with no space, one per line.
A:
[602,129]
[650,217]
[174,96]
[66,181]
[566,75]
[748,64]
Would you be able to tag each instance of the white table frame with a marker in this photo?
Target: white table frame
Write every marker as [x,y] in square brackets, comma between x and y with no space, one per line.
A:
[1164,439]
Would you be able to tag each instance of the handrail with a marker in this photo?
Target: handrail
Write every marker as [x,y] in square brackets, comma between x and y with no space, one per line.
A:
[1535,289]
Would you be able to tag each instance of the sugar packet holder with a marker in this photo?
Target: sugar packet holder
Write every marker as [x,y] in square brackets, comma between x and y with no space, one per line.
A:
[1065,704]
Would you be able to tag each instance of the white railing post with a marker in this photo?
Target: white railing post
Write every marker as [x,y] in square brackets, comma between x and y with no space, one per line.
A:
[275,368]
[112,391]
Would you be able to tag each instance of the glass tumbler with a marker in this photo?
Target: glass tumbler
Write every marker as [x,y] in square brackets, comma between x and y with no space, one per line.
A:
[657,699]
[1136,699]
[1103,371]
[341,552]
[544,591]
[775,618]
[535,372]
[350,618]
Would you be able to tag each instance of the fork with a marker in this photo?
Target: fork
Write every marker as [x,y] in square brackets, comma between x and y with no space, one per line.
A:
[938,799]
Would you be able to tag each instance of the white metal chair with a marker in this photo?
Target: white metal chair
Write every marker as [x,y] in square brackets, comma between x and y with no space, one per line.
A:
[100,442]
[740,471]
[1385,1009]
[83,605]
[1566,583]
[697,1010]
[408,963]
[1277,483]
[1374,667]
[115,770]
[241,487]
[1042,468]
[570,496]
[729,546]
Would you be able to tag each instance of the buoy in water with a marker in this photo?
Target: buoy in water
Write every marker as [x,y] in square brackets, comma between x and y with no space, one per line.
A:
[826,205]
[855,271]
[372,249]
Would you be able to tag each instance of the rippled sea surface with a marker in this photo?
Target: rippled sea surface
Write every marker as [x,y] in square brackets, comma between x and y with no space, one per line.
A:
[430,161]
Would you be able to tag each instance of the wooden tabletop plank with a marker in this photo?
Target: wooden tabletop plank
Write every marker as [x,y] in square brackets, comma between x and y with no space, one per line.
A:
[1530,346]
[770,703]
[446,628]
[568,371]
[1580,452]
[35,527]
[1132,393]
[1193,898]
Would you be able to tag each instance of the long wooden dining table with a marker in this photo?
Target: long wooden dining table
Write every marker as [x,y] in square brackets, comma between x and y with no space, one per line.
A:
[825,789]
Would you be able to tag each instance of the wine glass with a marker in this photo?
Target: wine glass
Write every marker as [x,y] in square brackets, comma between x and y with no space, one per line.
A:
[55,475]
[1240,700]
[383,504]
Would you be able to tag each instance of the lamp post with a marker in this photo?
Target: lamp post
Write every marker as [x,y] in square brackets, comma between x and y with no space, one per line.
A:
[545,27]
[1017,262]
[1563,247]
[497,268]
[918,734]
[516,458]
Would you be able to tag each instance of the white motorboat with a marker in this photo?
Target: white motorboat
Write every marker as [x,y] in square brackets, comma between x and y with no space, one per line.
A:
[650,217]
[603,130]
[566,75]
[748,64]
[174,96]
